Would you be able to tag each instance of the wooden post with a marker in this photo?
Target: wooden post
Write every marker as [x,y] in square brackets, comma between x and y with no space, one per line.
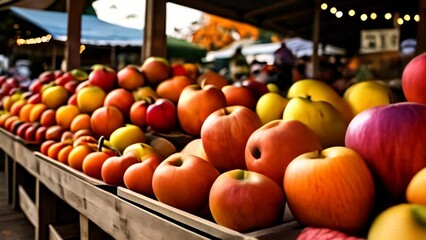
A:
[54,54]
[154,35]
[46,203]
[421,28]
[72,45]
[315,39]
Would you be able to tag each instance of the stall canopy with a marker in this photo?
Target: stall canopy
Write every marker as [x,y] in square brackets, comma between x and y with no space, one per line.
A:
[299,46]
[99,33]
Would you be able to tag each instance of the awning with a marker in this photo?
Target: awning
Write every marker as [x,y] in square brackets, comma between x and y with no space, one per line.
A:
[99,33]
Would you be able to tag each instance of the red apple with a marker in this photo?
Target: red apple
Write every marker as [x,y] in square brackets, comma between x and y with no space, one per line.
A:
[20,131]
[47,77]
[121,99]
[138,177]
[35,98]
[161,115]
[188,175]
[257,88]
[224,135]
[105,78]
[62,80]
[310,233]
[155,69]
[113,168]
[196,104]
[178,69]
[40,135]
[71,85]
[392,141]
[274,145]
[335,182]
[138,112]
[30,133]
[105,120]
[130,78]
[246,201]
[413,83]
[239,95]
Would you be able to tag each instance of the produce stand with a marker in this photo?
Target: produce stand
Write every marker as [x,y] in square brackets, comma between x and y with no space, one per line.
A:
[61,202]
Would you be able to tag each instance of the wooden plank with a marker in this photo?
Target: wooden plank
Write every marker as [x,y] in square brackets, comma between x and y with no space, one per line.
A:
[67,231]
[53,234]
[46,204]
[154,34]
[199,223]
[115,216]
[28,206]
[9,177]
[421,28]
[84,227]
[7,142]
[25,157]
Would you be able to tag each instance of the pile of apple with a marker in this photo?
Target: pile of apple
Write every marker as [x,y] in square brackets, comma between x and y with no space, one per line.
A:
[337,161]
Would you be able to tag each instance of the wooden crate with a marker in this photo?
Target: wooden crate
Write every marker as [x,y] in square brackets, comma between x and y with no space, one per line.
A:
[7,142]
[64,232]
[28,207]
[287,230]
[25,157]
[117,217]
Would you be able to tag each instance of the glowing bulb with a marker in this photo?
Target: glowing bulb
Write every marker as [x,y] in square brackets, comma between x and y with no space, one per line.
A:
[333,10]
[388,16]
[324,6]
[407,17]
[339,14]
[364,17]
[351,12]
[400,21]
[416,17]
[373,16]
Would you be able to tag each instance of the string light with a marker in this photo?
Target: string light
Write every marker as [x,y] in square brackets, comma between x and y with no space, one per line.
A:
[333,10]
[400,21]
[351,12]
[364,17]
[388,16]
[416,17]
[407,17]
[37,40]
[339,14]
[324,6]
[373,16]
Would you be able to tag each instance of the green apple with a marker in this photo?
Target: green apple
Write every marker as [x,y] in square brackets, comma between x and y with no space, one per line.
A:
[272,87]
[319,90]
[270,106]
[125,136]
[367,94]
[402,221]
[79,74]
[320,116]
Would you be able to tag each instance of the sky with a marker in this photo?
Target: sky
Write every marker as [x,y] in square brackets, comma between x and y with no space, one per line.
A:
[131,13]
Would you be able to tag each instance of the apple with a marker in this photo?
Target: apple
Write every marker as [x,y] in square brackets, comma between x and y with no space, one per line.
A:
[144,92]
[224,135]
[113,168]
[105,120]
[40,135]
[62,80]
[239,95]
[335,182]
[35,98]
[191,70]
[310,233]
[54,96]
[35,86]
[155,69]
[413,79]
[47,77]
[257,88]
[142,150]
[172,88]
[415,191]
[273,146]
[90,98]
[392,135]
[138,112]
[161,115]
[212,78]
[20,131]
[320,91]
[130,78]
[121,99]
[138,177]
[79,75]
[103,77]
[367,94]
[183,174]
[125,136]
[30,133]
[178,69]
[320,116]
[195,147]
[270,106]
[402,221]
[246,201]
[71,86]
[195,104]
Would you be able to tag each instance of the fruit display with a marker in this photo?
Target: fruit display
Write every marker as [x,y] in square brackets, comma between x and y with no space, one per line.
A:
[236,154]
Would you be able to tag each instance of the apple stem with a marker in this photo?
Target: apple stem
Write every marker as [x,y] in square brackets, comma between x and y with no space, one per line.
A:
[319,152]
[149,99]
[101,145]
[309,97]
[225,111]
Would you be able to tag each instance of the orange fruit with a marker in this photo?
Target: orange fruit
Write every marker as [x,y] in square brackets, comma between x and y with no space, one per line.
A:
[64,153]
[65,114]
[24,114]
[92,164]
[36,112]
[79,122]
[415,192]
[77,155]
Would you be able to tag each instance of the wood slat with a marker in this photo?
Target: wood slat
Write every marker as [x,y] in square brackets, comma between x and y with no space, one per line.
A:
[7,142]
[28,207]
[25,157]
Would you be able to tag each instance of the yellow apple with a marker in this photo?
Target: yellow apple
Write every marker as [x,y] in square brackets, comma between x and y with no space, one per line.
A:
[54,96]
[90,98]
[320,116]
[141,93]
[123,137]
[272,87]
[367,94]
[270,106]
[402,221]
[319,90]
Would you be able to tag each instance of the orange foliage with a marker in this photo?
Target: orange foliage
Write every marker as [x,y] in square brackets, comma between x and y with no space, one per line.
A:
[217,32]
